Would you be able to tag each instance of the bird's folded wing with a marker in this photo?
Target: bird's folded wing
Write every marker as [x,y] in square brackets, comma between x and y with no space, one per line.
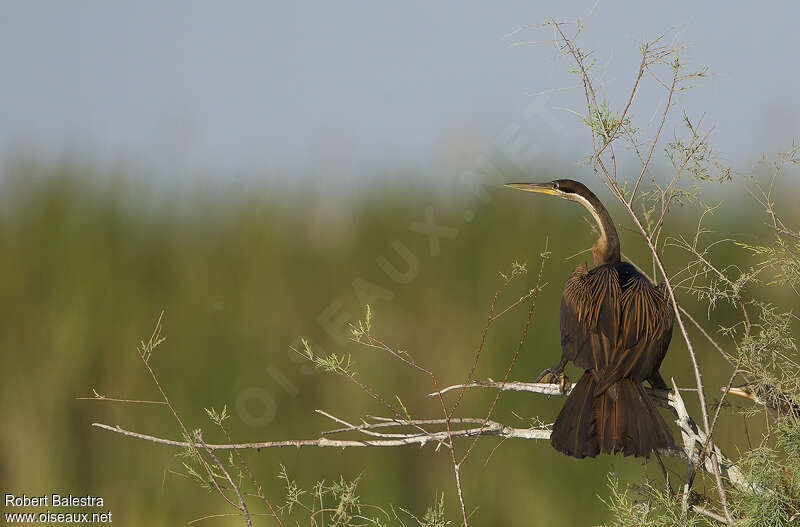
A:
[645,332]
[590,316]
[618,330]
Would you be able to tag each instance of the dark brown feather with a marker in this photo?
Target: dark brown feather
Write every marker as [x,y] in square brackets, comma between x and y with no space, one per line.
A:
[617,326]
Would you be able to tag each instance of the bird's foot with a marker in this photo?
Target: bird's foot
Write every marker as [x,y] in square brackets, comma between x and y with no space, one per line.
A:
[554,376]
[548,376]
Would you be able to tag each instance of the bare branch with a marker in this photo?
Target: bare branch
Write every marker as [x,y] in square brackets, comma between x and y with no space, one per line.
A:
[713,515]
[513,386]
[492,428]
[694,437]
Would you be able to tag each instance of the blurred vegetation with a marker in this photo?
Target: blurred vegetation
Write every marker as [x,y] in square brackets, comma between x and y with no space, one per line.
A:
[89,259]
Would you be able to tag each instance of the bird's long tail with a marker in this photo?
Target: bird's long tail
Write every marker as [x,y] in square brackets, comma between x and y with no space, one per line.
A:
[620,419]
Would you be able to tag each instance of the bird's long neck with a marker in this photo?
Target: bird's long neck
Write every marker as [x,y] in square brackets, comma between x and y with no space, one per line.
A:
[606,249]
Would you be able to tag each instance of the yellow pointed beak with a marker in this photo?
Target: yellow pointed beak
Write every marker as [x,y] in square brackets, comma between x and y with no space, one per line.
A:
[542,188]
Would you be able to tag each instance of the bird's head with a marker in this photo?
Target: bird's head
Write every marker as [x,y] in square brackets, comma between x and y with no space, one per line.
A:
[606,248]
[562,188]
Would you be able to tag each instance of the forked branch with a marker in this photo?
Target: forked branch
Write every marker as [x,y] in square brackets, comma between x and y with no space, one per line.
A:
[694,437]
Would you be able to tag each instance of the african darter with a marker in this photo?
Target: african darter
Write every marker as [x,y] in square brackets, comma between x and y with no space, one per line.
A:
[616,325]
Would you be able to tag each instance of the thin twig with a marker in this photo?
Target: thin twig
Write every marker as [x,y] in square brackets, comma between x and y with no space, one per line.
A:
[145,353]
[115,400]
[510,367]
[259,490]
[242,505]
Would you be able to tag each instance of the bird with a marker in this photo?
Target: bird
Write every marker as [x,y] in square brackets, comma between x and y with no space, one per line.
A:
[615,325]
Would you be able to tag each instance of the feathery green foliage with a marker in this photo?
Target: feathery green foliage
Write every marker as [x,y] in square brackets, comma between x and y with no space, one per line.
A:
[337,503]
[645,504]
[772,495]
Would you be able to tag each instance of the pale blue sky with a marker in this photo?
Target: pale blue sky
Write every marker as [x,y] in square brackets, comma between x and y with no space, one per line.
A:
[276,88]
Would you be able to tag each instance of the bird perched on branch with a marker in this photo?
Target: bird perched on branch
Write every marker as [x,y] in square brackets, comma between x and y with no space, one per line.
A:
[616,325]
